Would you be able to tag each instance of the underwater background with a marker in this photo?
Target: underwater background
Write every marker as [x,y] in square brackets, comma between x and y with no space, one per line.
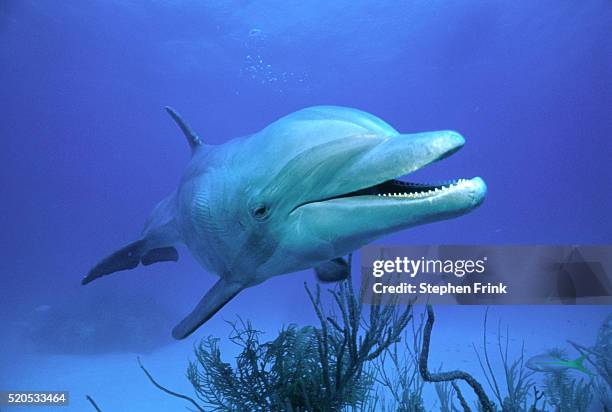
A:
[87,150]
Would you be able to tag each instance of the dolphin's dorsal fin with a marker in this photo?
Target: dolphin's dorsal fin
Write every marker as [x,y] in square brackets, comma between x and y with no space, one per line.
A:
[192,138]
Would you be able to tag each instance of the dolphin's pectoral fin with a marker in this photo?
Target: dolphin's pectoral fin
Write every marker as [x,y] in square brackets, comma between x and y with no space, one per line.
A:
[162,254]
[333,270]
[128,257]
[221,293]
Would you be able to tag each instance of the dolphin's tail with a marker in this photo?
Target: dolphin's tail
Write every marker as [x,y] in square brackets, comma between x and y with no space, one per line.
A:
[128,257]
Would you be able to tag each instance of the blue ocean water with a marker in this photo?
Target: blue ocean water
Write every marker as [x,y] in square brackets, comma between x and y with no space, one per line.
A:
[88,150]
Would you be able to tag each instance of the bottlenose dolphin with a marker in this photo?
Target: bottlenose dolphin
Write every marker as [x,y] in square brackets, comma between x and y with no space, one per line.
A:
[301,193]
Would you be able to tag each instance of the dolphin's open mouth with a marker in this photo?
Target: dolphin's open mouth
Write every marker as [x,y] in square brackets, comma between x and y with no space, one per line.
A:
[395,188]
[366,176]
[401,191]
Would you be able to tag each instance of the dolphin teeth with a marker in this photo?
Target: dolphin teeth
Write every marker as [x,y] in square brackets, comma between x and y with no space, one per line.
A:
[419,194]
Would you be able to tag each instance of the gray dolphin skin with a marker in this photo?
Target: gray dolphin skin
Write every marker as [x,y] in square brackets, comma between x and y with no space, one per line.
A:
[306,190]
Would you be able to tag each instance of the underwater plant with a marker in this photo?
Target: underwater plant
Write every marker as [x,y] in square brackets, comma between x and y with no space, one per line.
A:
[93,403]
[322,368]
[367,361]
[603,350]
[485,403]
[565,393]
[516,376]
[283,374]
[445,393]
[397,371]
[562,392]
[600,357]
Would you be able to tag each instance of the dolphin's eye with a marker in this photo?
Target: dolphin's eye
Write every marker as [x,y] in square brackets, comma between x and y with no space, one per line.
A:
[261,211]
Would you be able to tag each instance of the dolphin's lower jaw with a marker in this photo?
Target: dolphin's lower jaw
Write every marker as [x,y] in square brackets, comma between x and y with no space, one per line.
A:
[397,190]
[363,217]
